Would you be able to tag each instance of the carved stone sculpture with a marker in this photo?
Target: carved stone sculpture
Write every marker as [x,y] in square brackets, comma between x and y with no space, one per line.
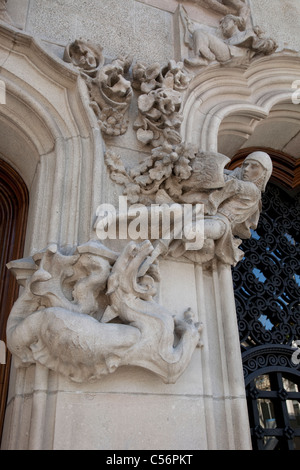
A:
[64,316]
[225,7]
[160,101]
[110,92]
[164,175]
[234,209]
[233,43]
[232,200]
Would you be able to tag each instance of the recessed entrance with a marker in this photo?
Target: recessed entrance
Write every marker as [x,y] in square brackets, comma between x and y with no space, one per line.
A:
[13,217]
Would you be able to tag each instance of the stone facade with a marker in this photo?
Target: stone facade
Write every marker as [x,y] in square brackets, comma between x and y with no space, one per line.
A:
[132,343]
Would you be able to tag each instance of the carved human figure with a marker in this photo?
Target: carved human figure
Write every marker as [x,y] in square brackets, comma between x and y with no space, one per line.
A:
[59,320]
[233,210]
[232,42]
[230,211]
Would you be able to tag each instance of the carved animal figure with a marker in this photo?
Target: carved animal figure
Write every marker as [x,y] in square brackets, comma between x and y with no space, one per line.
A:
[52,322]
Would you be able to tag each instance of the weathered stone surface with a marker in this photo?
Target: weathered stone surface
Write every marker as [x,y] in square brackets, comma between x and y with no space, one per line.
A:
[279,19]
[138,29]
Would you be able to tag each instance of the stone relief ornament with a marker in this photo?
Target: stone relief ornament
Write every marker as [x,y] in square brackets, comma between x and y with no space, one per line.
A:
[233,43]
[159,102]
[87,313]
[164,175]
[179,174]
[110,92]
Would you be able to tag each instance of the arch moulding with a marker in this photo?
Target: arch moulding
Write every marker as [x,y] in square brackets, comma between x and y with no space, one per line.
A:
[247,94]
[49,135]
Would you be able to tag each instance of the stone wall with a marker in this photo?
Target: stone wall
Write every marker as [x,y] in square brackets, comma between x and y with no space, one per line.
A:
[128,408]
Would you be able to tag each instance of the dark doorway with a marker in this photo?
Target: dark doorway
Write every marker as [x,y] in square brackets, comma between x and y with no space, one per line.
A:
[13,218]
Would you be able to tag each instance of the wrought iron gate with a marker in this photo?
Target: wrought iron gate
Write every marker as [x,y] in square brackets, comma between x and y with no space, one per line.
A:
[267,292]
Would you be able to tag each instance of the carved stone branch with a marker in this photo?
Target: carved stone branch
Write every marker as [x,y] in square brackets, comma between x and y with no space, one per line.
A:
[167,173]
[159,104]
[179,174]
[110,92]
[60,320]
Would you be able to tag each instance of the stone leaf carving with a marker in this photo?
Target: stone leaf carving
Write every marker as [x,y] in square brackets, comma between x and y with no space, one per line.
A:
[233,43]
[179,174]
[160,102]
[167,173]
[64,316]
[110,92]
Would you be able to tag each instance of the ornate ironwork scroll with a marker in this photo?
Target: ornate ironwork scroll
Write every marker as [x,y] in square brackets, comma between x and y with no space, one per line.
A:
[267,281]
[267,291]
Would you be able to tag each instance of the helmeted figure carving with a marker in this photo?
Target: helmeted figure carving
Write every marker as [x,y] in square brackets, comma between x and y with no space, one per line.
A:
[178,174]
[65,316]
[234,209]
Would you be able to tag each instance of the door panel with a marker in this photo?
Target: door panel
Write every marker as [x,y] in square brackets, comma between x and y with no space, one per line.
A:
[13,217]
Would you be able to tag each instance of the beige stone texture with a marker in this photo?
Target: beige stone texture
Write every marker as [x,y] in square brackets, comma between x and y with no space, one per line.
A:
[50,135]
[280,20]
[127,27]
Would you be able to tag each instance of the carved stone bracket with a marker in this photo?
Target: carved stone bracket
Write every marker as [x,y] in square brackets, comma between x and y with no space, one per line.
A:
[64,316]
[110,92]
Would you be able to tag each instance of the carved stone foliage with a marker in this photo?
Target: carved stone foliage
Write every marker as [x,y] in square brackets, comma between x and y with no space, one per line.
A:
[167,173]
[179,174]
[87,313]
[160,101]
[160,92]
[232,43]
[110,90]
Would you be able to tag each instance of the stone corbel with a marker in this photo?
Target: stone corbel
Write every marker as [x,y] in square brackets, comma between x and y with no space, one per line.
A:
[110,91]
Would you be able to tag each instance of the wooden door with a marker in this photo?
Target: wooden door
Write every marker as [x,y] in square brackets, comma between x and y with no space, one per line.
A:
[13,217]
